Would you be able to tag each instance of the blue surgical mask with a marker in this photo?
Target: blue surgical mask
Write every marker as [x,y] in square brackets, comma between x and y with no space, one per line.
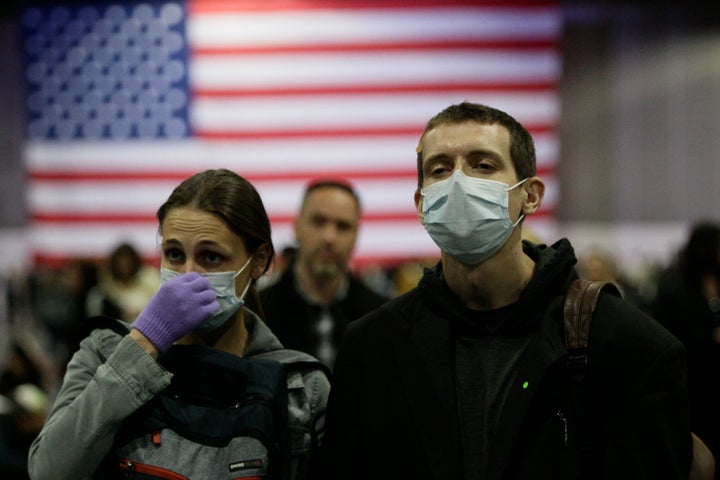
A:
[467,217]
[223,284]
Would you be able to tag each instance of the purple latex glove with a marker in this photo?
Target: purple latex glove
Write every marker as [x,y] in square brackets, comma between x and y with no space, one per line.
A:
[181,304]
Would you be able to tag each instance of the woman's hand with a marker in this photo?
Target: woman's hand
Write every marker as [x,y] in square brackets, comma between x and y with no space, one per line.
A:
[178,307]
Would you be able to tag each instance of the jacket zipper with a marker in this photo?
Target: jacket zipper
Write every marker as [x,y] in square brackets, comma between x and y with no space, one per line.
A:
[563,419]
[131,468]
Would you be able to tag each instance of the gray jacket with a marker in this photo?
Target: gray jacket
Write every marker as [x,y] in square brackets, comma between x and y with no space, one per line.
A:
[110,377]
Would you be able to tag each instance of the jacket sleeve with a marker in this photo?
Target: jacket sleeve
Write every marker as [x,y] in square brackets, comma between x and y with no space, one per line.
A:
[663,441]
[340,452]
[648,433]
[308,394]
[105,381]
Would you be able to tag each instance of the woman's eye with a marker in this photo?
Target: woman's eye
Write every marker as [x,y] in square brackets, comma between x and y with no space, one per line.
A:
[212,258]
[173,255]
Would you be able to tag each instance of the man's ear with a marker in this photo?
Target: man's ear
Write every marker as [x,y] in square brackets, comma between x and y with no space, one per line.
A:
[296,224]
[418,206]
[533,193]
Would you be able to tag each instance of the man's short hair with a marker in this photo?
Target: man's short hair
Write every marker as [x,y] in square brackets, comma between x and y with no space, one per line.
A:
[332,183]
[522,147]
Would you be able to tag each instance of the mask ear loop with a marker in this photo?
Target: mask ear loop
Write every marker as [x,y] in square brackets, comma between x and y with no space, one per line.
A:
[522,215]
[247,287]
[520,218]
[517,184]
[244,292]
[242,269]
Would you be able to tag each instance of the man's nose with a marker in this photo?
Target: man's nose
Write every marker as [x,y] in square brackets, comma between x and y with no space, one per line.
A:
[329,233]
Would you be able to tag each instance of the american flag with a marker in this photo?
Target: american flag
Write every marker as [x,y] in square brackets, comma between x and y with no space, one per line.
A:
[127,99]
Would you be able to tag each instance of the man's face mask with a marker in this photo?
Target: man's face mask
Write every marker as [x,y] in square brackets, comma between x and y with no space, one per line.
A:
[468,217]
[223,284]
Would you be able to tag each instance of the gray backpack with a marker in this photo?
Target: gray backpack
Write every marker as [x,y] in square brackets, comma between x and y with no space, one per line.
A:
[222,417]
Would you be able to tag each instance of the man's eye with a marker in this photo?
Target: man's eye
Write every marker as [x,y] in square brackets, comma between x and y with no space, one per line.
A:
[483,164]
[317,221]
[438,170]
[344,226]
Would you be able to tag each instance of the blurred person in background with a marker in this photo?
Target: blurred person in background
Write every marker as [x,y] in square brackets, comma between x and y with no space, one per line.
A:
[125,282]
[26,386]
[687,302]
[598,264]
[406,275]
[311,304]
[81,277]
[58,299]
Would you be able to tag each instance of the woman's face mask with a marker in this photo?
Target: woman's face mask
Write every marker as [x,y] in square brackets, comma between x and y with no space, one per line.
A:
[223,284]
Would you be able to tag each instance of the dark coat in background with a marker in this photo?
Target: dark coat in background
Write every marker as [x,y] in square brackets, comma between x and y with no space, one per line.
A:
[292,318]
[686,313]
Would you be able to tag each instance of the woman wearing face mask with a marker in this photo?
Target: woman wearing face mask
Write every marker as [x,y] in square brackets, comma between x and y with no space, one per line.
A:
[216,243]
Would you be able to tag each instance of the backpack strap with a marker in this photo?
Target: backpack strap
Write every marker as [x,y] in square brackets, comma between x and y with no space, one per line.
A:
[300,362]
[295,360]
[580,302]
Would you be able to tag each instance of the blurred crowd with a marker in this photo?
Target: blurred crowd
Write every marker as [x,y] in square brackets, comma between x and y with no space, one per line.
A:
[45,313]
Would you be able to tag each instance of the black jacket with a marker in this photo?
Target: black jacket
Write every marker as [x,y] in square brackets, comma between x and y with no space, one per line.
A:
[292,318]
[682,309]
[392,411]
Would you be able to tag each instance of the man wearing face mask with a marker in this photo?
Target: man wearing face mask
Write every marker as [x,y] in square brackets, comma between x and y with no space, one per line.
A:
[465,376]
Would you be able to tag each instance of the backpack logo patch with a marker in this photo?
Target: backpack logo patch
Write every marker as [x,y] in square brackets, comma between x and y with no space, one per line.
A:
[245,464]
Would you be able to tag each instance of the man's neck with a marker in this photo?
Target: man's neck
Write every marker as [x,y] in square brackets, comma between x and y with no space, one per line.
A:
[320,289]
[495,283]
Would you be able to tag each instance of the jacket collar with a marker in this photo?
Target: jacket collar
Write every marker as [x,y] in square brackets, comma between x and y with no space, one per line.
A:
[554,265]
[261,337]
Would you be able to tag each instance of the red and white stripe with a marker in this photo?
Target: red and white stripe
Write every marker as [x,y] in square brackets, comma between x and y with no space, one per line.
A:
[283,92]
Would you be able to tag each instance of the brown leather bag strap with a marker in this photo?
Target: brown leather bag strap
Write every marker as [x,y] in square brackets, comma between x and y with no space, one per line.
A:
[580,302]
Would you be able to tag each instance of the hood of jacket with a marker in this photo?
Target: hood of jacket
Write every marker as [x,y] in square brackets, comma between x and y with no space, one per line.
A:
[554,270]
